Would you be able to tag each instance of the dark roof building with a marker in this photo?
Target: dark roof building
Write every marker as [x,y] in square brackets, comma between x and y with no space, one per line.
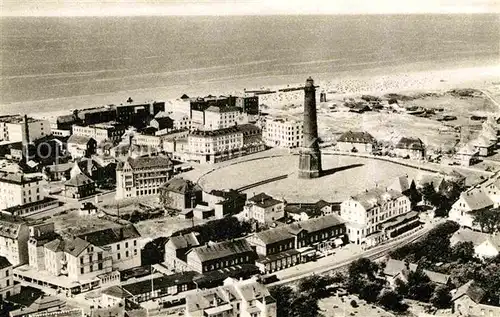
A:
[356,137]
[263,200]
[111,235]
[411,144]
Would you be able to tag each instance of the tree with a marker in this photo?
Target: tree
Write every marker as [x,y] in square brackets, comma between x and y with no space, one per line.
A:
[441,298]
[362,279]
[315,286]
[291,304]
[419,286]
[463,252]
[488,220]
[401,287]
[391,300]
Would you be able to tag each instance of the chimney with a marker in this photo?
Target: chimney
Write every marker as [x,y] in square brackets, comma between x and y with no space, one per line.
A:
[26,138]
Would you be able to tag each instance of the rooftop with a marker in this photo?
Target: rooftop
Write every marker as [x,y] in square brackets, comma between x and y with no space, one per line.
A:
[376,197]
[78,180]
[356,137]
[263,200]
[212,133]
[79,139]
[184,241]
[411,144]
[181,186]
[471,289]
[4,263]
[476,199]
[163,282]
[111,235]
[145,162]
[72,246]
[213,251]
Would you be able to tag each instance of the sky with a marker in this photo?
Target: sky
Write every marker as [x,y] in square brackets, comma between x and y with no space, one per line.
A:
[239,7]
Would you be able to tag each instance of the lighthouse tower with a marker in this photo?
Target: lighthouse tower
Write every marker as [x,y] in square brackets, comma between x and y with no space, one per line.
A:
[310,155]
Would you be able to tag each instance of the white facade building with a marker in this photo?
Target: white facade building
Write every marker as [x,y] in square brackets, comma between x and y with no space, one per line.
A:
[142,176]
[246,298]
[285,132]
[220,117]
[19,189]
[264,209]
[14,235]
[374,215]
[101,132]
[7,285]
[12,128]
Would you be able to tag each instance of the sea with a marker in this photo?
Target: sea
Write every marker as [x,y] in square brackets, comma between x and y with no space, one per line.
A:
[54,57]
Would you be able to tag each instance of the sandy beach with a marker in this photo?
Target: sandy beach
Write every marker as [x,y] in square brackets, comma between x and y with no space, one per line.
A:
[375,81]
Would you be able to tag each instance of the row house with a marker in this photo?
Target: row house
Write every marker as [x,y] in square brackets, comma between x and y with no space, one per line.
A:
[247,298]
[289,245]
[377,215]
[214,256]
[176,249]
[120,243]
[220,117]
[142,176]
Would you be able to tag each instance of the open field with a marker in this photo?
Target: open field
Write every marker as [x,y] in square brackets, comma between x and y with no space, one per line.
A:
[358,174]
[71,223]
[154,228]
[334,306]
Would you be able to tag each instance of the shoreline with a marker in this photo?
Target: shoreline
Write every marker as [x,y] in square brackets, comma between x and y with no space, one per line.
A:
[376,81]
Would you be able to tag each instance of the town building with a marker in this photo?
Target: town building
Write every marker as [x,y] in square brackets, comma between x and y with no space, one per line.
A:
[485,245]
[32,208]
[13,128]
[176,248]
[223,144]
[470,202]
[39,235]
[289,245]
[248,105]
[14,235]
[214,256]
[181,120]
[121,244]
[75,258]
[142,176]
[138,114]
[8,286]
[285,132]
[220,117]
[376,215]
[179,194]
[17,189]
[58,172]
[361,142]
[162,124]
[101,132]
[396,269]
[467,155]
[42,305]
[469,300]
[306,211]
[264,209]
[412,148]
[247,298]
[94,115]
[79,186]
[147,290]
[81,146]
[484,145]
[225,202]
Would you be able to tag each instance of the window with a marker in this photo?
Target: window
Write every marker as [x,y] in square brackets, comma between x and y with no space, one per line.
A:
[118,246]
[81,270]
[126,244]
[118,256]
[99,266]
[81,260]
[126,254]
